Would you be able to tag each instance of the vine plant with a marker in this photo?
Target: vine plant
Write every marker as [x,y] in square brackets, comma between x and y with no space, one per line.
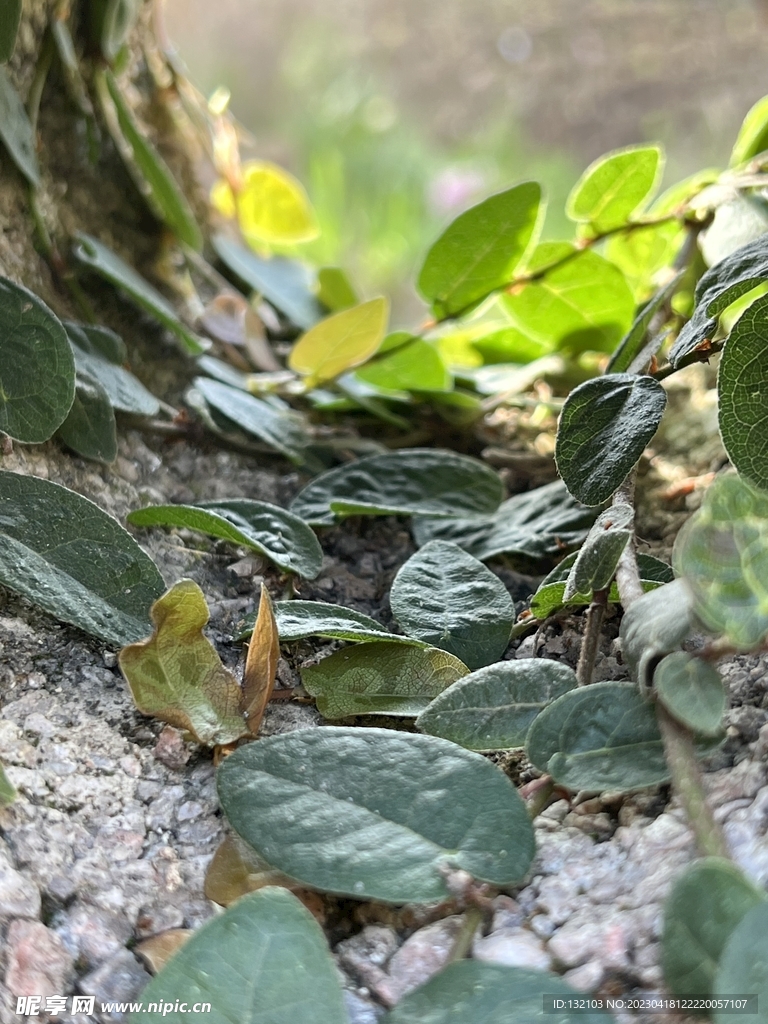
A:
[646,287]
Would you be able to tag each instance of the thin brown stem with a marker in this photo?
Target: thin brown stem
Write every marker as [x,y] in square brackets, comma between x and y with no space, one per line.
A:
[590,643]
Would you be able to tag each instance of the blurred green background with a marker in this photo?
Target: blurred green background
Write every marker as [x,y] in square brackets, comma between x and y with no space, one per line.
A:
[397,114]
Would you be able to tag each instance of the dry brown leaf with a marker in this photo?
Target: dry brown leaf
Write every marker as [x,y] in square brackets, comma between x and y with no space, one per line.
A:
[158,950]
[261,663]
[230,319]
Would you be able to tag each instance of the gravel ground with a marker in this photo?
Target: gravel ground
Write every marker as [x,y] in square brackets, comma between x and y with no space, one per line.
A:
[117,819]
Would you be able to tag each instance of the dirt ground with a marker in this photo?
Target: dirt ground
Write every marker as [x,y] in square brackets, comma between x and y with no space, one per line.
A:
[109,840]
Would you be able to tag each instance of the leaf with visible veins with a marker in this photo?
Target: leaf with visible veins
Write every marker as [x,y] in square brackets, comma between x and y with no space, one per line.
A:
[261,663]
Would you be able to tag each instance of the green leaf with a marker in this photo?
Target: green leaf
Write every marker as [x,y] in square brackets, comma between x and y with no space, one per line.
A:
[599,737]
[413,481]
[704,907]
[73,560]
[596,562]
[550,597]
[7,791]
[416,366]
[493,708]
[447,598]
[280,536]
[99,354]
[615,187]
[633,342]
[119,17]
[722,551]
[281,429]
[153,176]
[743,965]
[753,135]
[742,386]
[605,425]
[109,265]
[535,525]
[374,813]
[582,303]
[380,678]
[16,131]
[334,289]
[481,249]
[10,15]
[473,992]
[692,691]
[263,961]
[656,624]
[642,253]
[340,342]
[297,620]
[90,429]
[287,284]
[719,287]
[177,675]
[37,371]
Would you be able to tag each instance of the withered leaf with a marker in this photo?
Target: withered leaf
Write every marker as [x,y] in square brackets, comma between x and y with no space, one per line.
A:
[177,676]
[157,950]
[261,663]
[236,869]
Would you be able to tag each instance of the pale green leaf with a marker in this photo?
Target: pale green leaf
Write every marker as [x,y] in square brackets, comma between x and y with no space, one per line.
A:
[656,624]
[334,289]
[340,342]
[615,187]
[297,620]
[376,813]
[753,134]
[7,790]
[416,366]
[16,131]
[118,19]
[380,678]
[692,691]
[550,597]
[596,562]
[743,966]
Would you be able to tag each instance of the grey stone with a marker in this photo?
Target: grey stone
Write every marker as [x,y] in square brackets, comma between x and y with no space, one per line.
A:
[361,1010]
[92,934]
[37,961]
[514,947]
[118,979]
[423,955]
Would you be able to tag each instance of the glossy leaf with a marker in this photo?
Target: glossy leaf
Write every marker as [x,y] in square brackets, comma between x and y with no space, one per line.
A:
[90,429]
[99,354]
[260,663]
[722,551]
[692,691]
[7,790]
[447,598]
[263,961]
[720,286]
[16,131]
[119,17]
[704,907]
[486,993]
[753,134]
[416,366]
[271,206]
[37,371]
[375,813]
[380,678]
[414,481]
[644,253]
[615,187]
[633,342]
[742,386]
[582,303]
[280,536]
[177,675]
[599,737]
[334,289]
[743,965]
[550,597]
[281,429]
[287,284]
[340,342]
[534,525]
[10,15]
[596,562]
[656,624]
[109,265]
[154,177]
[73,560]
[604,427]
[297,620]
[493,708]
[481,249]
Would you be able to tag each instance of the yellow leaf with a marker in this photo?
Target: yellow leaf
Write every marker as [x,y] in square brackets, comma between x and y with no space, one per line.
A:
[340,342]
[177,675]
[157,950]
[261,663]
[271,206]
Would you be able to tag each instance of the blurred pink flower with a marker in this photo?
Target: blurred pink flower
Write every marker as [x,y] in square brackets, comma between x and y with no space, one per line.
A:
[454,187]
